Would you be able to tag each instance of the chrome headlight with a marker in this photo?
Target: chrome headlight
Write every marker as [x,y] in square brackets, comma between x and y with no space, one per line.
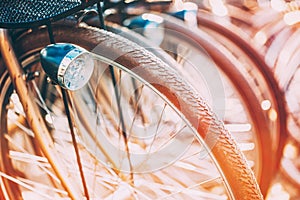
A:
[68,65]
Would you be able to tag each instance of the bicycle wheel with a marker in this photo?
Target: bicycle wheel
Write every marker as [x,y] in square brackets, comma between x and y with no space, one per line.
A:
[244,84]
[286,70]
[152,152]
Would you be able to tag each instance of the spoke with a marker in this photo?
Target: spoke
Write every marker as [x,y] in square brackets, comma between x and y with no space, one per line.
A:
[40,101]
[39,185]
[71,126]
[171,138]
[19,125]
[161,146]
[189,156]
[157,127]
[207,171]
[137,110]
[137,96]
[96,130]
[16,102]
[42,166]
[206,168]
[91,169]
[138,192]
[29,158]
[121,117]
[25,185]
[190,191]
[292,79]
[103,98]
[163,190]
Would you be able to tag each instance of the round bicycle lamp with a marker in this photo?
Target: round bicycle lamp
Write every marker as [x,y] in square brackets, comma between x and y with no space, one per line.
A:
[68,65]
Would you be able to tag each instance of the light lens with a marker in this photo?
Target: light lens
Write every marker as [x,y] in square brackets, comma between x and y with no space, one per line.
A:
[75,69]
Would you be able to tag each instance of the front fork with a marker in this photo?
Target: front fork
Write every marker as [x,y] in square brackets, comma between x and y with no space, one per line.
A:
[33,115]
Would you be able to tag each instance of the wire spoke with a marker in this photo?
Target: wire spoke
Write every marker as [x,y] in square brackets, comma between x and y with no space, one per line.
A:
[190,191]
[25,185]
[157,127]
[41,162]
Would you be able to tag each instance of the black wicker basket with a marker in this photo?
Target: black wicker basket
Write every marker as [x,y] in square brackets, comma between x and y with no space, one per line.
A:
[28,13]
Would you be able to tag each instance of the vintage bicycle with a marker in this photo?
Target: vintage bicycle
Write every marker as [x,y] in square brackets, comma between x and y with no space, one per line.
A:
[87,114]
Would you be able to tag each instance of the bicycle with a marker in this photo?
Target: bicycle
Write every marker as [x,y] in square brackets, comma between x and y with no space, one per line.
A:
[281,51]
[274,35]
[245,66]
[33,107]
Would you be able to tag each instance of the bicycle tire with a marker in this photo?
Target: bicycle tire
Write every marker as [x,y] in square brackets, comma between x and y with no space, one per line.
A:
[238,37]
[236,171]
